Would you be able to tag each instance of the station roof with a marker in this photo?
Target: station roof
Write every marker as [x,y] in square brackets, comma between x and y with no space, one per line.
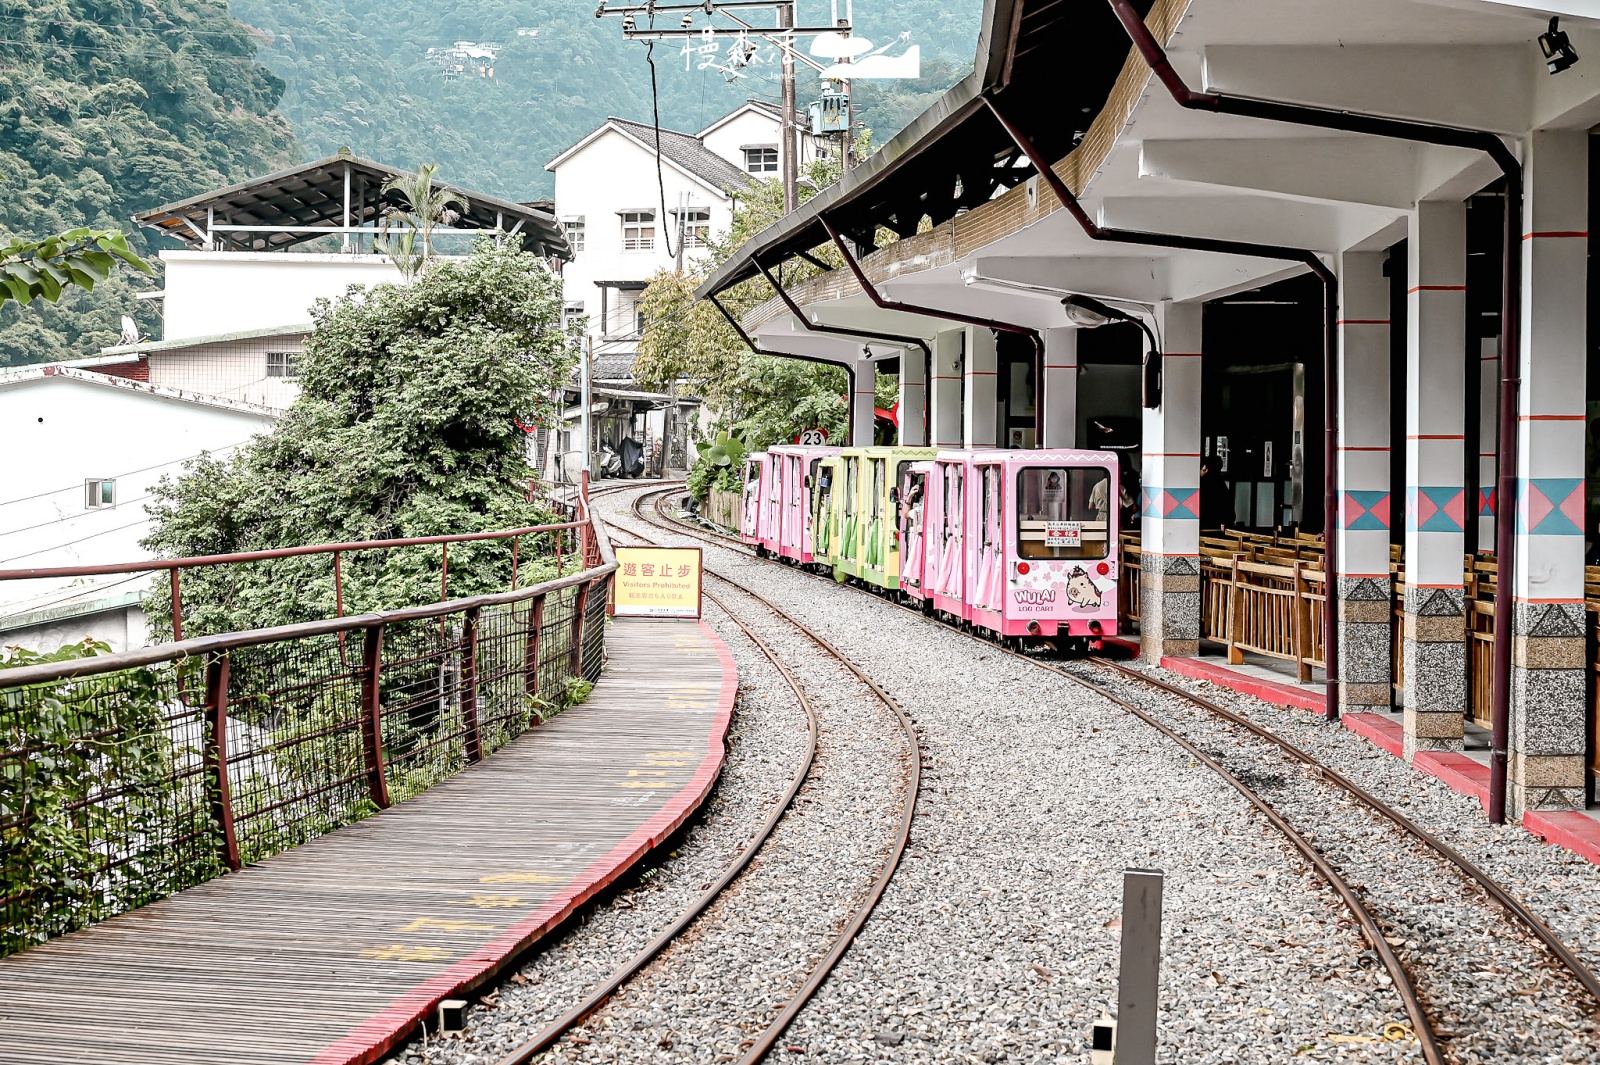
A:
[1049,64]
[310,197]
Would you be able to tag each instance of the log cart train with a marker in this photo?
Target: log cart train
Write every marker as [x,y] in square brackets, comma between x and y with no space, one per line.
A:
[1018,545]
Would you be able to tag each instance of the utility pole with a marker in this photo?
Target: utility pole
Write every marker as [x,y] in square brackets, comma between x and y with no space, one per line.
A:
[586,397]
[786,21]
[678,267]
[782,36]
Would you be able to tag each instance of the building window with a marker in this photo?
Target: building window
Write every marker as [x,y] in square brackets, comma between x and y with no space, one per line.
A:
[761,160]
[574,228]
[638,321]
[100,492]
[571,311]
[696,229]
[638,230]
[281,364]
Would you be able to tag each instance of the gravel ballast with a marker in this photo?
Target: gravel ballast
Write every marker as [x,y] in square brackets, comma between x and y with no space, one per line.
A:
[997,939]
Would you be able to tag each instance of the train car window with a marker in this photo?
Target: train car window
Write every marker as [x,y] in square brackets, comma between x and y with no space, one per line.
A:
[952,502]
[1064,512]
[877,488]
[851,481]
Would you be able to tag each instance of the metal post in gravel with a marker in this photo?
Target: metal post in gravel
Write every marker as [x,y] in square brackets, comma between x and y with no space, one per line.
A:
[1141,966]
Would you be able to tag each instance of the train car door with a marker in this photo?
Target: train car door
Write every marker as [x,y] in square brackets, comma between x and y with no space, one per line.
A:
[750,501]
[874,541]
[825,485]
[912,510]
[847,502]
[948,585]
[985,546]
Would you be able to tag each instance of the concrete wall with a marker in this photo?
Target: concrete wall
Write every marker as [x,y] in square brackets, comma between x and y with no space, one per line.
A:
[211,292]
[58,431]
[235,370]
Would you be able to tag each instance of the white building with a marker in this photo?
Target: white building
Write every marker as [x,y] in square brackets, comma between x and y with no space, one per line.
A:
[236,306]
[610,203]
[99,445]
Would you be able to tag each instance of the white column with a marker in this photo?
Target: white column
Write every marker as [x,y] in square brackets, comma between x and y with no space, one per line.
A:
[948,347]
[980,407]
[1366,648]
[1169,504]
[1060,390]
[1548,701]
[863,401]
[913,398]
[1434,651]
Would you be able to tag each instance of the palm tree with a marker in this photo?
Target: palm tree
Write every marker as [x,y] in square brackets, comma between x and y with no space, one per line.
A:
[427,204]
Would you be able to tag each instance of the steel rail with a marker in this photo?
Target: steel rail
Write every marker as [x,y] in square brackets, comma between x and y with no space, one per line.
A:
[1405,986]
[1580,971]
[631,968]
[764,1043]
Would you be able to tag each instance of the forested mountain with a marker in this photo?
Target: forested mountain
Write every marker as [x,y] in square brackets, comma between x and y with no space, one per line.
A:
[358,74]
[108,107]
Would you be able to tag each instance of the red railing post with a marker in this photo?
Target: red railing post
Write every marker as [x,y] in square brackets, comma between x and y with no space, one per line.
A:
[580,607]
[516,543]
[177,606]
[469,686]
[444,572]
[216,756]
[530,653]
[338,606]
[372,716]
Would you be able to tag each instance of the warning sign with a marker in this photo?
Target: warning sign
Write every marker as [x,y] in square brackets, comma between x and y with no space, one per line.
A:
[657,582]
[1063,533]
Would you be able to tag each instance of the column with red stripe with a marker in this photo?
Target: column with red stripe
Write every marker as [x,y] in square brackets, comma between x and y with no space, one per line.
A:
[1169,496]
[1548,689]
[1434,651]
[1366,643]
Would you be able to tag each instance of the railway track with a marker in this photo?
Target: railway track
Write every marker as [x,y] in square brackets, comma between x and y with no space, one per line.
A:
[1206,730]
[757,1047]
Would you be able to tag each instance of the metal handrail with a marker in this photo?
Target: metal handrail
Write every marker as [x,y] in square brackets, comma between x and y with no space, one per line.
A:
[192,561]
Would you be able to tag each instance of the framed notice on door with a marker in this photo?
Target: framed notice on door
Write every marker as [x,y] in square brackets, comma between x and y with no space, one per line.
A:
[1063,533]
[656,582]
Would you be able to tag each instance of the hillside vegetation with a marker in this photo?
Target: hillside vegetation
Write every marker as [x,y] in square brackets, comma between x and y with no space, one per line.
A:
[358,75]
[108,107]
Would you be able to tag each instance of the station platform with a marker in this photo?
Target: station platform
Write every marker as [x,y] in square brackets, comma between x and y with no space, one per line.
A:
[331,952]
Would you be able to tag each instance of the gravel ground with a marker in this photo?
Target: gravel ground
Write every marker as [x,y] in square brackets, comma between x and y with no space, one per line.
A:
[997,939]
[1558,886]
[721,982]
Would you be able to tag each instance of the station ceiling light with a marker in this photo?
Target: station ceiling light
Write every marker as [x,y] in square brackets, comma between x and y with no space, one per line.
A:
[1089,313]
[1557,48]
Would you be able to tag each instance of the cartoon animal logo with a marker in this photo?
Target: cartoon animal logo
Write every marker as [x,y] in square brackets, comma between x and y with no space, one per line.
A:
[1081,591]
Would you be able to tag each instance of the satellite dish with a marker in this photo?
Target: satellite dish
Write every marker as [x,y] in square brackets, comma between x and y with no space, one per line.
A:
[130,331]
[838,46]
[908,65]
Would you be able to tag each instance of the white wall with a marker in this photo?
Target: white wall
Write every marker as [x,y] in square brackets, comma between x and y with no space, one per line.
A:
[57,432]
[754,127]
[235,370]
[213,292]
[611,174]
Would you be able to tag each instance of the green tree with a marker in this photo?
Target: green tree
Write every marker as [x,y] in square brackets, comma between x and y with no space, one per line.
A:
[428,206]
[43,269]
[406,426]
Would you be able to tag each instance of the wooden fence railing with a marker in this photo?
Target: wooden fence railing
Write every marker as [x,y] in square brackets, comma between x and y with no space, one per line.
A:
[1266,594]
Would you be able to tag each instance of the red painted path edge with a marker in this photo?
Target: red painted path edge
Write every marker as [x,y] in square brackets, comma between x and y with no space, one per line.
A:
[1567,829]
[371,1040]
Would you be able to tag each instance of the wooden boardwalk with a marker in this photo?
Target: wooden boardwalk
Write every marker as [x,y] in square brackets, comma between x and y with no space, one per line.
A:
[329,953]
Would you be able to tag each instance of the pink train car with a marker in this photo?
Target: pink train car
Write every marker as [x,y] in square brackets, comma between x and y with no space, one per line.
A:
[756,505]
[1018,543]
[794,471]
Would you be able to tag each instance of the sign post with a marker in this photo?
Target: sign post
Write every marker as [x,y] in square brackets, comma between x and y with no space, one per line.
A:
[657,582]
